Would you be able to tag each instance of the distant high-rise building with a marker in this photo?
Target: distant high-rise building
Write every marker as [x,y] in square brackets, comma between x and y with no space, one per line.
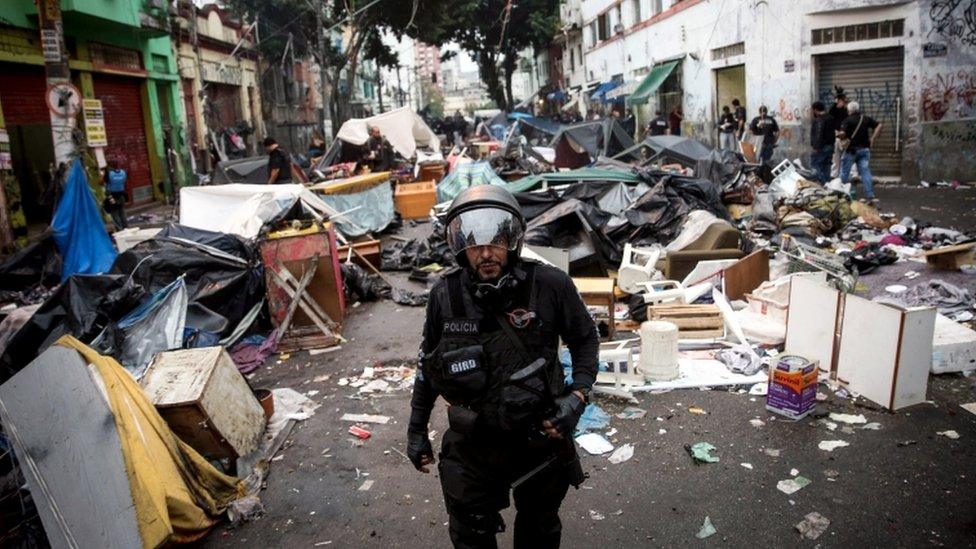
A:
[428,59]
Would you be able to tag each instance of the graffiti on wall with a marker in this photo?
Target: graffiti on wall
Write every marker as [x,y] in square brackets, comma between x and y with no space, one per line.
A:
[953,133]
[953,19]
[947,146]
[950,95]
[879,103]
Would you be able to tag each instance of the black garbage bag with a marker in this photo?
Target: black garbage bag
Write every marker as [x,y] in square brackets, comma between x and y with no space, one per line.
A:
[229,243]
[868,258]
[224,284]
[83,306]
[572,225]
[38,263]
[404,256]
[359,284]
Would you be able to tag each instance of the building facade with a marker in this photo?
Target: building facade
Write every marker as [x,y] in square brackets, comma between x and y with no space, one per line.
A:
[911,65]
[218,68]
[121,57]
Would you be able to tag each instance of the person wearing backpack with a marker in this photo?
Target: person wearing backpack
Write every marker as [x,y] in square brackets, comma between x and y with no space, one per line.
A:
[857,134]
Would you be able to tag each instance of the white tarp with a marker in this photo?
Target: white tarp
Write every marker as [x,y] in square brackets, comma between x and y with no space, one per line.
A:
[240,208]
[402,127]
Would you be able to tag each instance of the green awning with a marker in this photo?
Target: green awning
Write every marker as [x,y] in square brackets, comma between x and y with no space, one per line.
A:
[573,176]
[651,83]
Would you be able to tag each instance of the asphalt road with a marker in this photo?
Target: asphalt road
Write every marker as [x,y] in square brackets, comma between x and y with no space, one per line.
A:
[900,486]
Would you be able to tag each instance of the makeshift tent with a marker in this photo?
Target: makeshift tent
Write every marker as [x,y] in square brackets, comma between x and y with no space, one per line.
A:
[708,163]
[464,176]
[581,175]
[79,231]
[243,209]
[649,86]
[536,130]
[366,202]
[241,170]
[403,128]
[577,144]
[106,470]
[575,104]
[599,95]
[574,225]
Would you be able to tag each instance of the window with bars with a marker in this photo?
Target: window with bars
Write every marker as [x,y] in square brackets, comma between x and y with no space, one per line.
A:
[855,33]
[728,51]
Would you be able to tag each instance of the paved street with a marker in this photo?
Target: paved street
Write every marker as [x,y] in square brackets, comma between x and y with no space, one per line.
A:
[902,485]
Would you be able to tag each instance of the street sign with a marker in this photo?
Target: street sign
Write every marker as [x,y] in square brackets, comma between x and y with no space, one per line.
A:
[94,123]
[63,99]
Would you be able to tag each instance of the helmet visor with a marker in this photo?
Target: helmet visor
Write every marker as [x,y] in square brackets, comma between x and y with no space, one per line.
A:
[484,227]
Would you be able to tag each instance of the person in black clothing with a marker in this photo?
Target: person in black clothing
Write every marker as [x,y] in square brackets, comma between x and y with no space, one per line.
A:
[837,113]
[378,153]
[489,348]
[279,165]
[739,113]
[659,125]
[766,127]
[859,131]
[726,129]
[821,141]
[629,123]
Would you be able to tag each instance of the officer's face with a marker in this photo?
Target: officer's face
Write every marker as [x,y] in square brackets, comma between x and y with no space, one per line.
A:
[487,261]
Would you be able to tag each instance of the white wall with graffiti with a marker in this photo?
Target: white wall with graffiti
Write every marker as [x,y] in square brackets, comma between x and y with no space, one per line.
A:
[930,110]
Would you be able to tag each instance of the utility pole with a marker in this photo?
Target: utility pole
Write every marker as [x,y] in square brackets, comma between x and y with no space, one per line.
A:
[322,69]
[63,99]
[379,85]
[399,87]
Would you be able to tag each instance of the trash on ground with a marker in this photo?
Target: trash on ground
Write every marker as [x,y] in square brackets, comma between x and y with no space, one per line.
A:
[831,445]
[701,452]
[706,530]
[359,432]
[365,418]
[792,485]
[698,411]
[622,454]
[631,412]
[594,443]
[366,485]
[813,525]
[792,386]
[969,407]
[849,419]
[596,515]
[949,434]
[593,419]
[747,465]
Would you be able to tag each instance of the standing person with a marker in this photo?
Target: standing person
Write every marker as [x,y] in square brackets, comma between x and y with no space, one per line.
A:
[317,149]
[858,132]
[460,128]
[674,120]
[821,141]
[114,204]
[378,153]
[726,129]
[838,112]
[658,125]
[489,348]
[279,166]
[629,123]
[766,129]
[739,113]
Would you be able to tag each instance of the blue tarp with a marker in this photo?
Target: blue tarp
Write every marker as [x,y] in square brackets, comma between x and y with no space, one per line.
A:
[368,211]
[464,176]
[558,95]
[601,91]
[79,231]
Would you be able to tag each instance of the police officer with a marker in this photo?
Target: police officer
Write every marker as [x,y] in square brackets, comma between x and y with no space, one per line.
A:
[490,350]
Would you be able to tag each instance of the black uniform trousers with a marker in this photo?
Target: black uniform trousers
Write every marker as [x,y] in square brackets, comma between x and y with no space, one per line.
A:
[476,473]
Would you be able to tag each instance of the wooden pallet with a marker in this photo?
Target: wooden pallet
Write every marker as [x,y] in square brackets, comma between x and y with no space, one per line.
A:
[693,321]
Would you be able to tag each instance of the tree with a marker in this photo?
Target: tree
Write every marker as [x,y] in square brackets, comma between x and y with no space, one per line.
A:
[494,32]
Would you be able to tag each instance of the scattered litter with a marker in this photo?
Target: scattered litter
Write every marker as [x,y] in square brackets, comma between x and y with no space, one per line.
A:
[813,525]
[320,379]
[284,356]
[632,412]
[831,445]
[701,452]
[662,431]
[365,418]
[756,422]
[759,389]
[321,543]
[873,426]
[594,443]
[311,393]
[343,381]
[706,529]
[313,352]
[794,472]
[366,485]
[593,419]
[771,452]
[622,454]
[596,515]
[949,434]
[903,443]
[792,485]
[747,465]
[830,425]
[896,288]
[850,419]
[610,433]
[831,474]
[969,407]
[359,432]
[697,410]
[375,386]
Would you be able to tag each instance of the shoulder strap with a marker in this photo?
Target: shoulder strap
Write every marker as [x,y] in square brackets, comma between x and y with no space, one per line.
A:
[856,128]
[455,294]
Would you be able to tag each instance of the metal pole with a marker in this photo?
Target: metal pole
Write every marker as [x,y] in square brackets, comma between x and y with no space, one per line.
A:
[322,67]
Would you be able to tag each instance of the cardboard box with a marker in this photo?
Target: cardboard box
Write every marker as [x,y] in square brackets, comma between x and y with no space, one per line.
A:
[414,200]
[205,401]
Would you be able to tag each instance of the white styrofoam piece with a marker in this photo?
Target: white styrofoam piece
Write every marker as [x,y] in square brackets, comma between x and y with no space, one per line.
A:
[953,346]
[697,373]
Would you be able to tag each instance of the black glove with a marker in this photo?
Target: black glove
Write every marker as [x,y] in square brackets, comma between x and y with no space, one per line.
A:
[418,447]
[569,408]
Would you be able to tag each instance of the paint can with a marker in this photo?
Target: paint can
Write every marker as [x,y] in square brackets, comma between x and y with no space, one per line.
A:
[792,386]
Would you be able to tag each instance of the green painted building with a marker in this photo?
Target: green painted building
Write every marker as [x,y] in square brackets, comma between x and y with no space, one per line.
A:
[120,53]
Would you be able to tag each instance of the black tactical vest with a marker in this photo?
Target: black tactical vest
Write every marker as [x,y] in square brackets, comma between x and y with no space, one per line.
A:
[477,354]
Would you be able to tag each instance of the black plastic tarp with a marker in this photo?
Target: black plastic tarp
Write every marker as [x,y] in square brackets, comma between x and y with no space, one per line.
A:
[224,284]
[597,138]
[82,307]
[711,164]
[38,263]
[224,242]
[241,170]
[573,225]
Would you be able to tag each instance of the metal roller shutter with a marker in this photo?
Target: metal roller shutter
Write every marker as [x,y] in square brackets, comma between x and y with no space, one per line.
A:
[22,91]
[122,103]
[873,78]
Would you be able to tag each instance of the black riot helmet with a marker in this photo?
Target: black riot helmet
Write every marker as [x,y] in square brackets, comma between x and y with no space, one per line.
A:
[485,215]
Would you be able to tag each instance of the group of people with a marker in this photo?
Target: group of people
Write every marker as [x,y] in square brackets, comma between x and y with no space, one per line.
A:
[665,125]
